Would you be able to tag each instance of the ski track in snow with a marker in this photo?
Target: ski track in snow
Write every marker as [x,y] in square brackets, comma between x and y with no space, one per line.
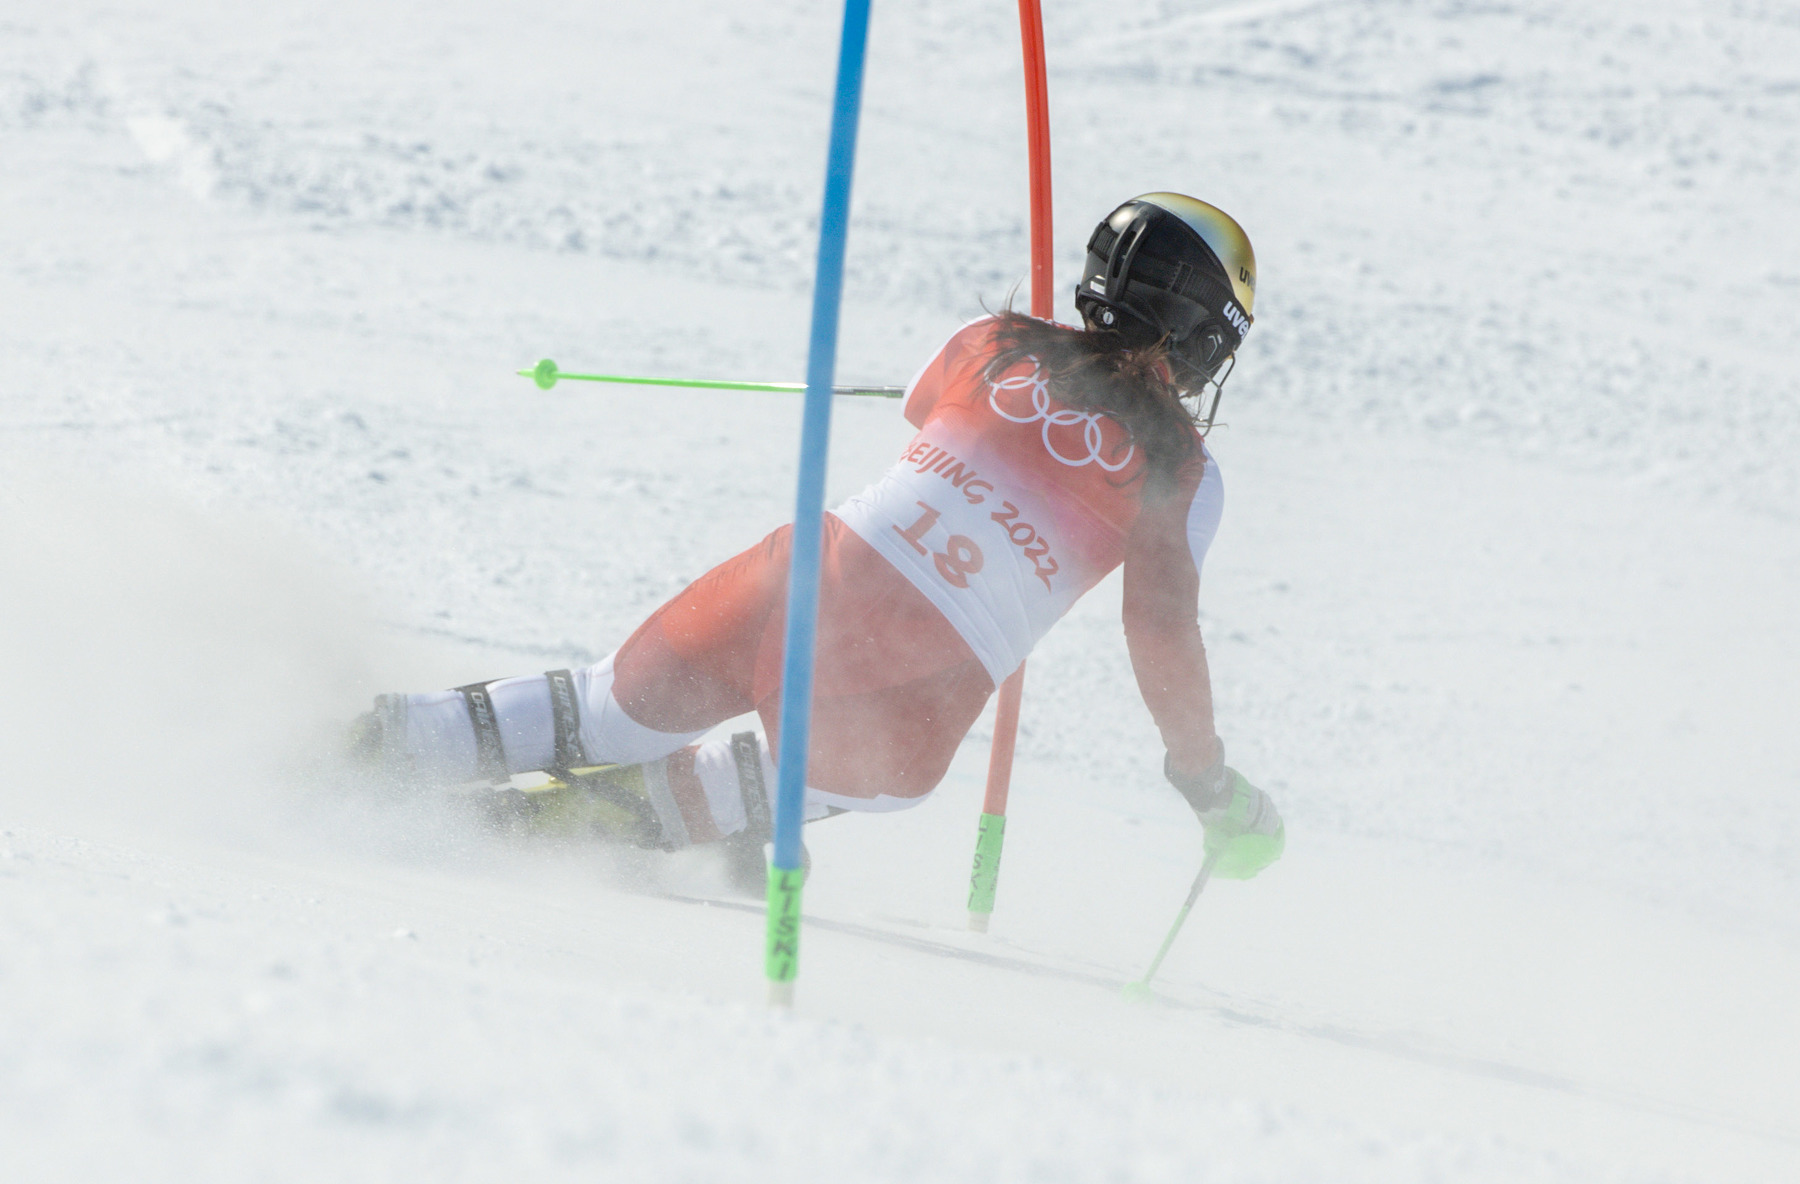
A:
[1500,610]
[241,1054]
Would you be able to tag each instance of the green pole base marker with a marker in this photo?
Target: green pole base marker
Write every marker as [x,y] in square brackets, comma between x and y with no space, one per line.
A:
[781,961]
[544,374]
[1137,992]
[984,879]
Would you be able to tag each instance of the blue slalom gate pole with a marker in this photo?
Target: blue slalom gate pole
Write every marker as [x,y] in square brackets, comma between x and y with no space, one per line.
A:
[782,952]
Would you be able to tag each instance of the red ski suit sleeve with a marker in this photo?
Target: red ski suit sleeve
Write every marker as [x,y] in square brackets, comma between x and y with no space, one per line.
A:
[1162,623]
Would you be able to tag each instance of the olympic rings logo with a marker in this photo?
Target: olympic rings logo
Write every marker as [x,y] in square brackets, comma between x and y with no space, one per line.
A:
[1091,435]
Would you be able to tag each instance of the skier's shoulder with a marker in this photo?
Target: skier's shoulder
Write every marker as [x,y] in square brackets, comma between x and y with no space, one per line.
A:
[975,344]
[1201,485]
[946,370]
[953,368]
[1189,505]
[1201,465]
[976,338]
[1197,464]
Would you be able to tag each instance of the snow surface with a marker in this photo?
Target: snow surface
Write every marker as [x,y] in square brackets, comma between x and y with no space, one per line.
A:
[1501,610]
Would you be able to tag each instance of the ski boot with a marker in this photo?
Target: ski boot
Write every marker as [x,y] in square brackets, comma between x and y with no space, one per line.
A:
[575,798]
[614,803]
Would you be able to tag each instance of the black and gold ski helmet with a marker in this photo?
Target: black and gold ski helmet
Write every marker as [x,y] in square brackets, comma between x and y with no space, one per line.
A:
[1165,265]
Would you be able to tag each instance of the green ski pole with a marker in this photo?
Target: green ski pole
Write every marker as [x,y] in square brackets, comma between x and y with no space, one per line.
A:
[546,375]
[1141,989]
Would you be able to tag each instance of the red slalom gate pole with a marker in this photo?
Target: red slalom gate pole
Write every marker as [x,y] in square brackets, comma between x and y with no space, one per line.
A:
[1037,131]
[984,880]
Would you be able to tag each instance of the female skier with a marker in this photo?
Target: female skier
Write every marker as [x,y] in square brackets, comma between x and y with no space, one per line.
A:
[1046,456]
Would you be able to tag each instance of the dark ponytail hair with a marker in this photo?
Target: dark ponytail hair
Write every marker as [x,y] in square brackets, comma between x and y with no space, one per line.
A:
[1100,371]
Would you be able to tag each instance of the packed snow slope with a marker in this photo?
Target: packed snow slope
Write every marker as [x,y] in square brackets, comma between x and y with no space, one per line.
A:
[1501,610]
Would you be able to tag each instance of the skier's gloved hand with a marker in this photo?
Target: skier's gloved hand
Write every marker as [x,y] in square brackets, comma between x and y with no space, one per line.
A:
[1243,829]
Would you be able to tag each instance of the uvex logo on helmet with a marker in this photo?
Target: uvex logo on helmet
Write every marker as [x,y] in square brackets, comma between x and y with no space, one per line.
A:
[1238,320]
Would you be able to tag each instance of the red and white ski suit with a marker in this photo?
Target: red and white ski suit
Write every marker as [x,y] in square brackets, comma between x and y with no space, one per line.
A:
[937,580]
